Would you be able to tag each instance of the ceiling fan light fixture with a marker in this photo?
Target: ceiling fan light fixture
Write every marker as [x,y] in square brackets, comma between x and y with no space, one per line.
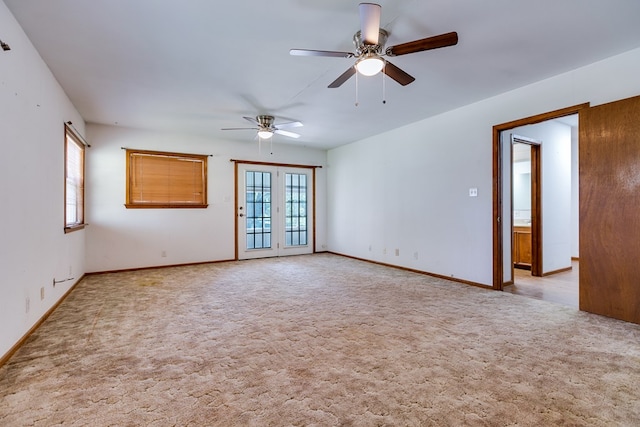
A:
[370,64]
[265,133]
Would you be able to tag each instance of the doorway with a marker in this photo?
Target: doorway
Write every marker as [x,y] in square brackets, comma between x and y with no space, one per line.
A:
[274,210]
[560,288]
[526,213]
[502,265]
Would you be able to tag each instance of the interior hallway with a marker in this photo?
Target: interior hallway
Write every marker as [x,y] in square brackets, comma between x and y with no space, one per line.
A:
[561,288]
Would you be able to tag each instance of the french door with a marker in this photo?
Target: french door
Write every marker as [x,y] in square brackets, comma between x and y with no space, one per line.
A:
[275,211]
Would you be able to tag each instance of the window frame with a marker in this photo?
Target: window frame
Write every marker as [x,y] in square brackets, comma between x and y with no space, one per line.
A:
[130,203]
[71,137]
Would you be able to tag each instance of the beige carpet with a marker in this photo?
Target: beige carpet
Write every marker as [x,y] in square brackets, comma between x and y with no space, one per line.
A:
[317,340]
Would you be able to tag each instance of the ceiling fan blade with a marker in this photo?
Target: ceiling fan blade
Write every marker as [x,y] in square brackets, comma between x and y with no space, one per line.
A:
[435,42]
[343,77]
[239,129]
[369,22]
[251,119]
[310,52]
[286,133]
[397,74]
[289,125]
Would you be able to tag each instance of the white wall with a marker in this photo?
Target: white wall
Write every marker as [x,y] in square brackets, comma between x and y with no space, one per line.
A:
[120,238]
[555,153]
[33,247]
[408,188]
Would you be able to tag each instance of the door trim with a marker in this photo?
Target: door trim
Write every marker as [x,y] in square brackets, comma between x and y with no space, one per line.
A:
[498,249]
[536,197]
[237,162]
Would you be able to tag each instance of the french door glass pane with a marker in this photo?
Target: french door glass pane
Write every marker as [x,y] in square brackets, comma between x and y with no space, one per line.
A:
[258,197]
[295,209]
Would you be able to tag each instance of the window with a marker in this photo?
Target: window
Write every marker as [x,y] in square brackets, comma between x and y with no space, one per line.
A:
[166,180]
[74,182]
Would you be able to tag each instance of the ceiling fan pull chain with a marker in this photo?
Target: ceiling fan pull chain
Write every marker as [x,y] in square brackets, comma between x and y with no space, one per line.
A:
[384,83]
[259,145]
[271,147]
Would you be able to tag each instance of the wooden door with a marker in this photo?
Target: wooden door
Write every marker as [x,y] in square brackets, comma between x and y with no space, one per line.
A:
[610,209]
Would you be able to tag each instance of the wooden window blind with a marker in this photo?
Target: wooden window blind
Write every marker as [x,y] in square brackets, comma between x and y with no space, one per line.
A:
[166,180]
[74,182]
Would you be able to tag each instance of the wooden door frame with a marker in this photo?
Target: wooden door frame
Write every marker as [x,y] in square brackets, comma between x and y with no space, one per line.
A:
[498,235]
[536,204]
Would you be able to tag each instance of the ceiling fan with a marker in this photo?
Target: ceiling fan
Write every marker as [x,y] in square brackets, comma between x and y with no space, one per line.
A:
[369,43]
[266,127]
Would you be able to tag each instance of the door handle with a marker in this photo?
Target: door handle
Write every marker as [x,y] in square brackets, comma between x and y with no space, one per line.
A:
[241,215]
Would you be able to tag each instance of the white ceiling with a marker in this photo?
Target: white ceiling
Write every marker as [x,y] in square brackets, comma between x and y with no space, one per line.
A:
[199,65]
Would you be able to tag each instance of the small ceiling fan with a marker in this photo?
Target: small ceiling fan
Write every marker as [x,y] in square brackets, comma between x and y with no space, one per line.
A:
[266,127]
[369,43]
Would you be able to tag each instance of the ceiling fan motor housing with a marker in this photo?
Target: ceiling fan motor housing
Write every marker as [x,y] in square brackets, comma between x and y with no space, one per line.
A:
[265,121]
[364,48]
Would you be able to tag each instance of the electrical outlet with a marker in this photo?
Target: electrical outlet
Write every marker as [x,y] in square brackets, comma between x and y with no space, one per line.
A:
[163,254]
[41,293]
[473,192]
[27,304]
[384,251]
[397,252]
[415,255]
